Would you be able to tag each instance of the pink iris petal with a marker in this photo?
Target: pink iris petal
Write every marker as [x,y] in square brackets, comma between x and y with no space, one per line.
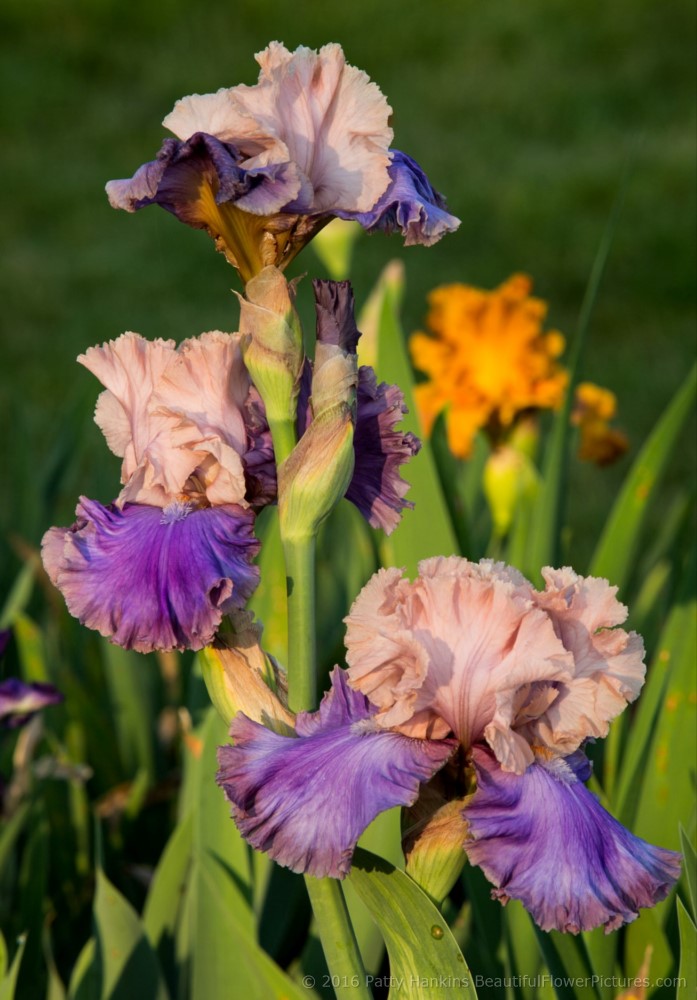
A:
[461,649]
[608,661]
[172,412]
[306,800]
[544,839]
[323,115]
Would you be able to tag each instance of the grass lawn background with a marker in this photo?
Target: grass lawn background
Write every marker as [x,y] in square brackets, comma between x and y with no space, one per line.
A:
[522,114]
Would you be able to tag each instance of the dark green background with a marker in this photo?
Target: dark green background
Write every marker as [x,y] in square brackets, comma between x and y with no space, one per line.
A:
[523,114]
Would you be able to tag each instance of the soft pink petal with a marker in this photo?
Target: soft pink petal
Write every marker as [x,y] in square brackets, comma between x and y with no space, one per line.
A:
[214,114]
[330,118]
[608,661]
[453,650]
[203,393]
[176,417]
[129,367]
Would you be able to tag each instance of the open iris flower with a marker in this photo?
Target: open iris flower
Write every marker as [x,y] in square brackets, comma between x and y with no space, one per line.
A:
[159,567]
[263,168]
[468,666]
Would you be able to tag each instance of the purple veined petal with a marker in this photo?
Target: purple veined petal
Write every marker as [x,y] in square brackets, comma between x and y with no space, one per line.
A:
[543,838]
[377,488]
[259,461]
[20,701]
[410,205]
[152,578]
[334,306]
[306,800]
[177,178]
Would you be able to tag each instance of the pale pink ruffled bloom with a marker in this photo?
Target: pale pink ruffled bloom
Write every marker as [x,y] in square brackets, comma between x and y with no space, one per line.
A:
[311,110]
[171,414]
[609,665]
[473,649]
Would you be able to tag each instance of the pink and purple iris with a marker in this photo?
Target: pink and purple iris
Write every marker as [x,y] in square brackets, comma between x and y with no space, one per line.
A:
[470,656]
[263,168]
[160,566]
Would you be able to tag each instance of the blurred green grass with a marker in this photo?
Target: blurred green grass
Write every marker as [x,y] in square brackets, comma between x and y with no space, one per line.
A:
[522,114]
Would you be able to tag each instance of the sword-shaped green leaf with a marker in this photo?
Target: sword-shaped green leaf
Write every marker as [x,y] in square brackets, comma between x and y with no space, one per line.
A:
[425,961]
[615,553]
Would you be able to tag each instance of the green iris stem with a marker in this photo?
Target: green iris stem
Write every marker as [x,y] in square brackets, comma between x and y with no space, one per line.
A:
[283,436]
[326,895]
[302,649]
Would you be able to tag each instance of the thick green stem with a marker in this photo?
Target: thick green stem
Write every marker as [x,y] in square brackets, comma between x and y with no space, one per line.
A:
[302,651]
[326,895]
[338,940]
[283,436]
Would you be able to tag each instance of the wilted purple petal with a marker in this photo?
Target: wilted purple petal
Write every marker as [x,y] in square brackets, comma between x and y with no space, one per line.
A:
[175,181]
[335,319]
[20,701]
[152,578]
[377,488]
[410,205]
[306,800]
[544,839]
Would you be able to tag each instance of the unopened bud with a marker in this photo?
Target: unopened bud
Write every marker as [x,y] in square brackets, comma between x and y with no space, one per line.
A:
[272,342]
[240,677]
[317,473]
[509,479]
[434,833]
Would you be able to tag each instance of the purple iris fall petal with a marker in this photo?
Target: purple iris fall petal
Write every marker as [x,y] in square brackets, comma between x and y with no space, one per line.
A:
[410,205]
[283,790]
[544,839]
[175,179]
[152,578]
[20,701]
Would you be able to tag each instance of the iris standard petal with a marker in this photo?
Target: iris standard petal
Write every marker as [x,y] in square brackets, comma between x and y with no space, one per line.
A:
[306,800]
[452,651]
[410,205]
[608,661]
[544,839]
[152,578]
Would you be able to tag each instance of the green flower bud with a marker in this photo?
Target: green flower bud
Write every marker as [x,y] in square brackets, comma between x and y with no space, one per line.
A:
[509,479]
[317,473]
[273,350]
[240,677]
